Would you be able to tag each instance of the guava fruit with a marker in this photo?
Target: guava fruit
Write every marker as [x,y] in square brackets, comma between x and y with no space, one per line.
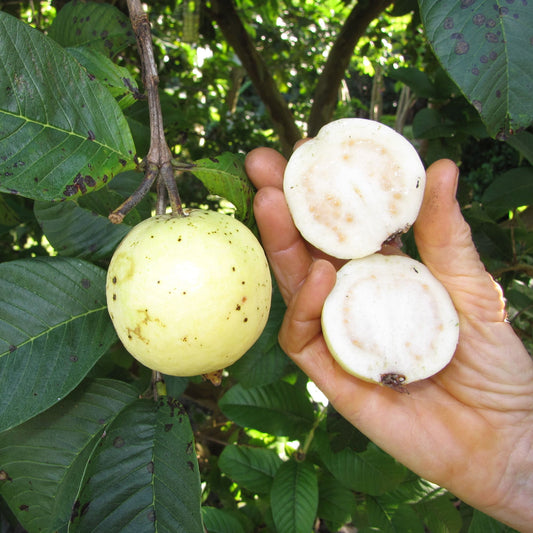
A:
[389,320]
[189,295]
[354,186]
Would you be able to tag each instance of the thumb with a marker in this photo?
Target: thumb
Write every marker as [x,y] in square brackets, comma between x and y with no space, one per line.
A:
[445,244]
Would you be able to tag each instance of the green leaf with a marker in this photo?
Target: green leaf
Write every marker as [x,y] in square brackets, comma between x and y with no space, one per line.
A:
[44,459]
[101,27]
[54,326]
[294,497]
[62,134]
[81,228]
[417,80]
[265,362]
[391,518]
[481,523]
[220,521]
[279,408]
[336,502]
[8,217]
[488,53]
[372,471]
[429,123]
[439,512]
[251,468]
[118,80]
[144,476]
[508,191]
[523,142]
[225,176]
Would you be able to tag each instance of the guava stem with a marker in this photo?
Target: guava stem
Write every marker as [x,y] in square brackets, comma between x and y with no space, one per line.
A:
[159,387]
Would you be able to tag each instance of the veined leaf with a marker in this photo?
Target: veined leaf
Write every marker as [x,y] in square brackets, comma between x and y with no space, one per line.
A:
[482,523]
[487,51]
[336,502]
[252,468]
[75,25]
[225,176]
[62,133]
[144,476]
[81,228]
[118,80]
[294,497]
[372,471]
[279,408]
[220,521]
[43,460]
[54,326]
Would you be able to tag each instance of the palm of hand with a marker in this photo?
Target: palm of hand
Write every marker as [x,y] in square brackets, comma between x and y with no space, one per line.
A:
[469,428]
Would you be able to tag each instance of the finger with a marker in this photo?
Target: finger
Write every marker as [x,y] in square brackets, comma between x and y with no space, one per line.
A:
[265,167]
[287,252]
[302,322]
[445,244]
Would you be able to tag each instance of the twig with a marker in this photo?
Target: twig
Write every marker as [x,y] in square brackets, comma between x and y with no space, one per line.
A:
[159,157]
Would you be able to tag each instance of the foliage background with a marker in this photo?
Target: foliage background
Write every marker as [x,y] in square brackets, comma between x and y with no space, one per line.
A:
[83,446]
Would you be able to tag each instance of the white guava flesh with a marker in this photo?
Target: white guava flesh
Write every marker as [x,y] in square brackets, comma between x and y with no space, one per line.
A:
[353,186]
[189,295]
[389,320]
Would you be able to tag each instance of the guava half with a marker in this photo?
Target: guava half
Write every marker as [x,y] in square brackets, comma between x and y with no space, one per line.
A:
[189,295]
[353,186]
[389,320]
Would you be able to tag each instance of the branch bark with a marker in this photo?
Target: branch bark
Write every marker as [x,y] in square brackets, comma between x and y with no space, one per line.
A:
[158,161]
[224,14]
[325,96]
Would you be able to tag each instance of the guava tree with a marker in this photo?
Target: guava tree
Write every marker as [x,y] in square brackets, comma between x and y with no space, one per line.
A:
[92,125]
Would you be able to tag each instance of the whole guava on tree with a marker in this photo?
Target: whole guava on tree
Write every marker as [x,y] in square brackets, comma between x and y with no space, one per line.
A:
[189,295]
[352,188]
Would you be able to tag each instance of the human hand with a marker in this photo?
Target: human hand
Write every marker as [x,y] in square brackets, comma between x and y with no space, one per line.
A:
[470,427]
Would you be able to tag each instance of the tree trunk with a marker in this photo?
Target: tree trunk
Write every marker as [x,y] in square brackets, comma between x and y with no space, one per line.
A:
[325,98]
[224,14]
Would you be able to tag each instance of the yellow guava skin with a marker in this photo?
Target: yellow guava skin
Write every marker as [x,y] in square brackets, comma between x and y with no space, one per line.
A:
[189,295]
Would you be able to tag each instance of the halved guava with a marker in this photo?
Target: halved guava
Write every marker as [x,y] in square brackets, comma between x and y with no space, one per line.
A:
[353,186]
[389,320]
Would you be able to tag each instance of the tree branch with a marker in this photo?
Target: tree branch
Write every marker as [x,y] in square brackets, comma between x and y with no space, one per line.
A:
[325,97]
[158,161]
[224,14]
